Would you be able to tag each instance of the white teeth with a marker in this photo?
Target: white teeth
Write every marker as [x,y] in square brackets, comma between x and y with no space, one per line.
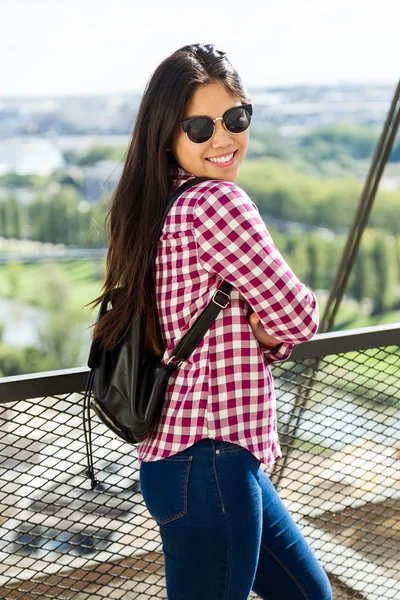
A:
[223,159]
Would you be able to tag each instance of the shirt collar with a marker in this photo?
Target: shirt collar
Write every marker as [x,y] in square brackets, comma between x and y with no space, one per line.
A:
[179,175]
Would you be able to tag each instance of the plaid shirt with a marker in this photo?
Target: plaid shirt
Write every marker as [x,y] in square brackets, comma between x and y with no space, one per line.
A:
[225,389]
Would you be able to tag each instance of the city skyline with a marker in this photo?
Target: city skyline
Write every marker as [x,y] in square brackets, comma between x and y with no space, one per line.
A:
[90,48]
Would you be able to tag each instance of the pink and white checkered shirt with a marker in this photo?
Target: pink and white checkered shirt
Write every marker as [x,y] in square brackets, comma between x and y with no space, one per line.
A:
[225,389]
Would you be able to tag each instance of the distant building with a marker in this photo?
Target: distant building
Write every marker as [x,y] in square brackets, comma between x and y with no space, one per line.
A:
[100,179]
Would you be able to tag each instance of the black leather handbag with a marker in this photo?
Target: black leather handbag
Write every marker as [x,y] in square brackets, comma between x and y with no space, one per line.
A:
[128,383]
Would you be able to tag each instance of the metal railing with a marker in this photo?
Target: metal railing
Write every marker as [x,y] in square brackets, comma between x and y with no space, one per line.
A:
[339,422]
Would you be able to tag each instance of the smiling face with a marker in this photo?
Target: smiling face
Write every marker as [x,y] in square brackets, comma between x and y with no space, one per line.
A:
[211,100]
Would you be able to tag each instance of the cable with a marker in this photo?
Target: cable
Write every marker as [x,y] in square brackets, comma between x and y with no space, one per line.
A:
[368,195]
[88,432]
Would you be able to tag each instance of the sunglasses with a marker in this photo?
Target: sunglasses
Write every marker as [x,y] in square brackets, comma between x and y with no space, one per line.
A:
[201,129]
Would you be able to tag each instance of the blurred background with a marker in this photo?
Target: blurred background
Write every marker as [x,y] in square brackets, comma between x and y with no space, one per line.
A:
[321,78]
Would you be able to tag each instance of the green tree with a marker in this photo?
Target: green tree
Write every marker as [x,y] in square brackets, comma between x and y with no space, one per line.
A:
[12,361]
[3,220]
[384,263]
[333,253]
[40,222]
[52,286]
[268,142]
[15,275]
[333,141]
[19,361]
[14,180]
[397,257]
[100,152]
[297,255]
[316,263]
[61,338]
[359,288]
[12,218]
[93,230]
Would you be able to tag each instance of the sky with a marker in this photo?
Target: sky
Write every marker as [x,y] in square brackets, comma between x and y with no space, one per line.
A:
[87,47]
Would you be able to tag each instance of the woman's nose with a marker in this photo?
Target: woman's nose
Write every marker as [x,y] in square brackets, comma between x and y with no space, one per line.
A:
[221,138]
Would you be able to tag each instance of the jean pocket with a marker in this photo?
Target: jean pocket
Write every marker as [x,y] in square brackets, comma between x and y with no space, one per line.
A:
[164,485]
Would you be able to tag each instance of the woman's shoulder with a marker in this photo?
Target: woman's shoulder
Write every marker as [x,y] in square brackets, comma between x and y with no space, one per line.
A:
[219,191]
[215,192]
[221,196]
[215,186]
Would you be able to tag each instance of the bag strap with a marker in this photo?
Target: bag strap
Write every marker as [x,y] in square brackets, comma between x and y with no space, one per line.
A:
[172,199]
[191,339]
[219,300]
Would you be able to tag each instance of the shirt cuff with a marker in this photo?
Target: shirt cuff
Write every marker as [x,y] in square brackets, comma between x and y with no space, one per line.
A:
[278,354]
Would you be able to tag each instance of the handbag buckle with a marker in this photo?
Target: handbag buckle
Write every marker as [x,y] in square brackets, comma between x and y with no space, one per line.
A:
[219,303]
[171,359]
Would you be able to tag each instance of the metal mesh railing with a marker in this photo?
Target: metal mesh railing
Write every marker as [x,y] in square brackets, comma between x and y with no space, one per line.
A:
[340,478]
[340,475]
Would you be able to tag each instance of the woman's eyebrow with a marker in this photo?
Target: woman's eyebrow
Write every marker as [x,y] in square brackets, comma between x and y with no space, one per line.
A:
[198,114]
[196,117]
[203,114]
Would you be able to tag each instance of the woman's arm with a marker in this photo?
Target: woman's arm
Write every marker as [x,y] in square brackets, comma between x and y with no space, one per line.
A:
[233,241]
[273,349]
[268,341]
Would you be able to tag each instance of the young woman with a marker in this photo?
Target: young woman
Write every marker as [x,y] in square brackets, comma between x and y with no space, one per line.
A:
[224,529]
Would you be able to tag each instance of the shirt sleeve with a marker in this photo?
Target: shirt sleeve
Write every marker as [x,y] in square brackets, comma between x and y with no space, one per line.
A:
[233,242]
[279,354]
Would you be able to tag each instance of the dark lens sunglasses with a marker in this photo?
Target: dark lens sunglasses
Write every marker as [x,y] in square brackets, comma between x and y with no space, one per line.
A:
[201,129]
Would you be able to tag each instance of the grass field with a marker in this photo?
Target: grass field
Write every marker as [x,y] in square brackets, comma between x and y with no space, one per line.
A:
[76,277]
[83,280]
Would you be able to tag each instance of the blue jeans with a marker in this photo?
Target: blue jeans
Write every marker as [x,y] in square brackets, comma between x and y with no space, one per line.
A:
[224,529]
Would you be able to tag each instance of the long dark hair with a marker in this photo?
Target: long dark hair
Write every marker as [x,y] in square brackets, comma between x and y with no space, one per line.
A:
[140,196]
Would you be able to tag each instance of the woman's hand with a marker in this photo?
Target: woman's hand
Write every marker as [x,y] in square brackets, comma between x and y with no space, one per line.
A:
[259,332]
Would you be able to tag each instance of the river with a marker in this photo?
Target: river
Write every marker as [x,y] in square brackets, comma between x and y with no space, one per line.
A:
[21,324]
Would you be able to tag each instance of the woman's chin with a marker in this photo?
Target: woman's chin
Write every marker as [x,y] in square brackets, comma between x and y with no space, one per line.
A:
[228,174]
